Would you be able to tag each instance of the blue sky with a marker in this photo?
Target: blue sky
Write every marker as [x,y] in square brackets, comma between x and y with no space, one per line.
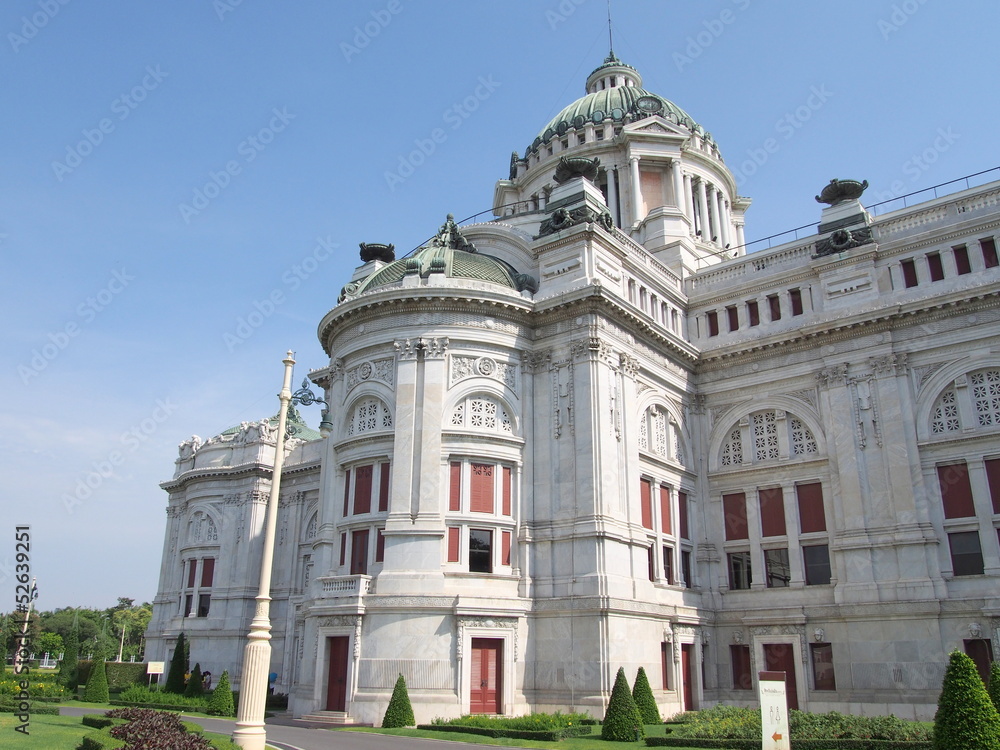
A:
[169,169]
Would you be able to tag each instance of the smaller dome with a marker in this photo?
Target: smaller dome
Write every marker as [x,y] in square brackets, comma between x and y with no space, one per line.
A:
[448,253]
[295,426]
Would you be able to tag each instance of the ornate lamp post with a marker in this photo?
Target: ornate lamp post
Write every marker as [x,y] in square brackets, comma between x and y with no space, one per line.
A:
[250,732]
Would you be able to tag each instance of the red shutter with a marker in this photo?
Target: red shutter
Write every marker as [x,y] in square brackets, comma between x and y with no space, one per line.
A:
[665,525]
[453,544]
[481,490]
[207,572]
[506,490]
[646,502]
[956,492]
[734,509]
[455,493]
[191,573]
[811,514]
[772,512]
[505,548]
[993,475]
[363,489]
[379,546]
[343,548]
[347,495]
[359,552]
[383,488]
[682,515]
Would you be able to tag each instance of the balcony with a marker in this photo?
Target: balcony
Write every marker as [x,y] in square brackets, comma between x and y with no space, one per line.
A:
[342,587]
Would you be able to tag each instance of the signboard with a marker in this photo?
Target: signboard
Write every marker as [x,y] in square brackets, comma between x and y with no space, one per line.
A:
[155,667]
[773,710]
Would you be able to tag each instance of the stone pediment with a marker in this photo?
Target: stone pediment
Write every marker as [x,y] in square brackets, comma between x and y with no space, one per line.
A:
[656,125]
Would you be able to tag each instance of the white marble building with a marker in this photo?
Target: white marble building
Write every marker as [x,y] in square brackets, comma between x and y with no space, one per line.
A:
[595,432]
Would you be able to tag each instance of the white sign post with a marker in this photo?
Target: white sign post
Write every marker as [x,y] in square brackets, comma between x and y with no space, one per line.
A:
[773,710]
[154,667]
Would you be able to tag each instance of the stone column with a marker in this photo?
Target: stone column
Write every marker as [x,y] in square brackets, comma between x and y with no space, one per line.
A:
[723,219]
[688,198]
[678,185]
[613,194]
[633,164]
[740,239]
[713,214]
[705,224]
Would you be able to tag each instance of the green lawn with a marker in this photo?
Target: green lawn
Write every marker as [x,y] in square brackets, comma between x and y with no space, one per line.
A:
[593,742]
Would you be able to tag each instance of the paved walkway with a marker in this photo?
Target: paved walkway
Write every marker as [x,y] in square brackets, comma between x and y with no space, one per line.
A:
[285,737]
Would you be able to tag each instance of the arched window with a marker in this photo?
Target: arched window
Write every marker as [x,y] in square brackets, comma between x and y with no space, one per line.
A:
[311,527]
[944,417]
[986,395]
[369,415]
[767,435]
[482,413]
[660,434]
[977,394]
[732,450]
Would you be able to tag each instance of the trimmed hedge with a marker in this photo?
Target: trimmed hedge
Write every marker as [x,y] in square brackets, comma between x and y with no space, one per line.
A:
[399,712]
[125,674]
[35,709]
[98,721]
[796,744]
[966,717]
[552,735]
[622,721]
[159,706]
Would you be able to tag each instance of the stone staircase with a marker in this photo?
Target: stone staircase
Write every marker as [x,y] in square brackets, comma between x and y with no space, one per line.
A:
[327,717]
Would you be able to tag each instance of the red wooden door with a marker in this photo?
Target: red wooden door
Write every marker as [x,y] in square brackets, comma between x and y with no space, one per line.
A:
[779,657]
[336,687]
[687,675]
[486,676]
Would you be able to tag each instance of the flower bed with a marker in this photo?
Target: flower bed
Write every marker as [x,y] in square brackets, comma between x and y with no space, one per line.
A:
[543,727]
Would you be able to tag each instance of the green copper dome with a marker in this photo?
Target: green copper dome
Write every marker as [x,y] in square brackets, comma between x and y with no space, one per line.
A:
[614,92]
[450,254]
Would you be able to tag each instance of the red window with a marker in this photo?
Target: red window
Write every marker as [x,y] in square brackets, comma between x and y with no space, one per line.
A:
[383,488]
[682,516]
[347,495]
[935,266]
[455,493]
[481,491]
[795,297]
[772,512]
[505,548]
[665,664]
[207,572]
[774,307]
[753,313]
[822,663]
[713,323]
[649,563]
[506,490]
[363,489]
[646,503]
[343,548]
[811,515]
[191,572]
[379,546]
[993,475]
[359,552]
[665,525]
[733,318]
[734,508]
[956,491]
[989,248]
[739,655]
[962,263]
[909,273]
[453,543]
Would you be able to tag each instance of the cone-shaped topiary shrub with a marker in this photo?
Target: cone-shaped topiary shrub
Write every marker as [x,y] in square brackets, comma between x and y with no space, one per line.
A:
[966,717]
[994,688]
[97,685]
[642,694]
[71,655]
[399,712]
[622,721]
[178,668]
[221,703]
[195,686]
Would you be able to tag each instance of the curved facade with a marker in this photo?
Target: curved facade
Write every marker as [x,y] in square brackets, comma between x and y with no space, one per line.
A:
[594,433]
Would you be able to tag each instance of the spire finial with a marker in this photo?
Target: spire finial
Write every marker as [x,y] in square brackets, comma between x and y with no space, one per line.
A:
[611,43]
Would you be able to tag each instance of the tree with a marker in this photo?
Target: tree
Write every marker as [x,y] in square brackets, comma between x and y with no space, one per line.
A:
[49,643]
[994,688]
[642,694]
[221,703]
[195,687]
[97,685]
[399,712]
[622,721]
[966,717]
[178,667]
[71,655]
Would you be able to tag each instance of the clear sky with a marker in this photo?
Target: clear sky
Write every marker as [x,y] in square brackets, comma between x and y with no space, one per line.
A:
[183,187]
